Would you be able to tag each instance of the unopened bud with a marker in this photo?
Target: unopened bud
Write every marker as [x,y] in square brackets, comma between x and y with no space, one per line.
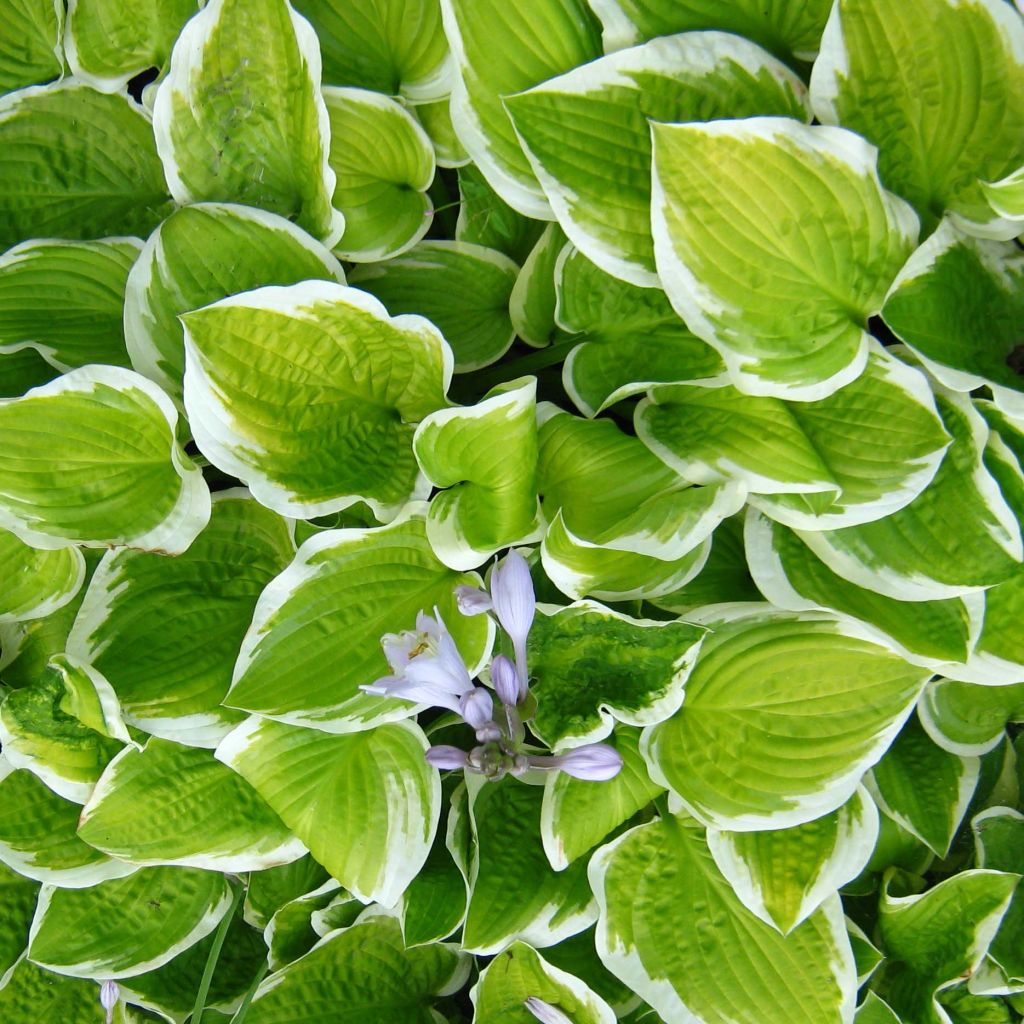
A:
[447,758]
[506,683]
[109,996]
[545,1012]
[477,707]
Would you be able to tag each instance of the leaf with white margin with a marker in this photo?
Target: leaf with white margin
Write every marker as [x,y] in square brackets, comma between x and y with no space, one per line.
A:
[198,255]
[1006,196]
[384,164]
[366,803]
[89,698]
[514,893]
[875,1010]
[935,939]
[866,955]
[791,576]
[177,805]
[86,326]
[290,933]
[948,116]
[768,686]
[269,890]
[436,120]
[38,840]
[587,133]
[520,972]
[958,303]
[77,164]
[591,666]
[578,956]
[790,31]
[532,302]
[342,593]
[968,718]
[172,672]
[37,995]
[395,47]
[672,929]
[776,242]
[108,42]
[358,974]
[17,905]
[957,537]
[577,814]
[37,582]
[783,876]
[460,287]
[485,455]
[126,926]
[30,48]
[551,36]
[308,395]
[91,458]
[486,219]
[22,368]
[239,117]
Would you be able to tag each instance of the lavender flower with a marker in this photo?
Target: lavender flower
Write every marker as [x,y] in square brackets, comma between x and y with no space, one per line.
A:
[545,1012]
[447,758]
[109,996]
[594,762]
[506,684]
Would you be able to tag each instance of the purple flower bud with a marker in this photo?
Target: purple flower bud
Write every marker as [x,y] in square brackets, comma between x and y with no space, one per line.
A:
[447,758]
[594,762]
[506,683]
[476,707]
[472,600]
[488,733]
[514,604]
[109,996]
[545,1012]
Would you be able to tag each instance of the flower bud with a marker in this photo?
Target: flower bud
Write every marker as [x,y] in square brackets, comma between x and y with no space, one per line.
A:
[109,996]
[506,683]
[594,762]
[447,758]
[477,707]
[472,600]
[545,1012]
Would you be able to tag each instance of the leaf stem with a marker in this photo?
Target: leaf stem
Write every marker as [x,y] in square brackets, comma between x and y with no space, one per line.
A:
[214,956]
[244,1008]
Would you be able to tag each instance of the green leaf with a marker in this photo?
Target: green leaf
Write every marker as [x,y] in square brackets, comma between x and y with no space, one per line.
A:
[436,121]
[108,42]
[384,164]
[968,719]
[577,815]
[773,687]
[578,956]
[551,36]
[358,974]
[462,288]
[172,672]
[290,933]
[269,890]
[38,582]
[198,255]
[366,804]
[126,926]
[875,1010]
[485,218]
[486,458]
[519,972]
[308,394]
[331,606]
[588,138]
[78,164]
[938,87]
[775,242]
[87,325]
[18,904]
[672,929]
[22,368]
[240,118]
[592,666]
[531,305]
[91,459]
[30,48]
[35,994]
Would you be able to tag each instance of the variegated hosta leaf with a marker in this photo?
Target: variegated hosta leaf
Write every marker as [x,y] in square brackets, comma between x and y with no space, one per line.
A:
[588,138]
[462,288]
[171,672]
[30,48]
[519,973]
[956,537]
[126,926]
[17,905]
[269,890]
[198,255]
[630,339]
[775,242]
[358,974]
[37,836]
[108,42]
[968,719]
[672,929]
[91,459]
[790,31]
[86,326]
[330,607]
[514,893]
[578,956]
[117,186]
[767,686]
[436,120]
[36,582]
[391,46]
[35,994]
[384,164]
[1006,196]
[934,939]
[308,394]
[290,933]
[170,804]
[875,1010]
[592,666]
[577,815]
[366,803]
[22,368]
[791,576]
[531,305]
[486,457]
[551,36]
[958,303]
[938,86]
[783,876]
[486,219]
[240,118]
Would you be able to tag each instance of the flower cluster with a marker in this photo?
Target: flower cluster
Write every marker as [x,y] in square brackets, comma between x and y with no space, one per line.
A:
[426,668]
